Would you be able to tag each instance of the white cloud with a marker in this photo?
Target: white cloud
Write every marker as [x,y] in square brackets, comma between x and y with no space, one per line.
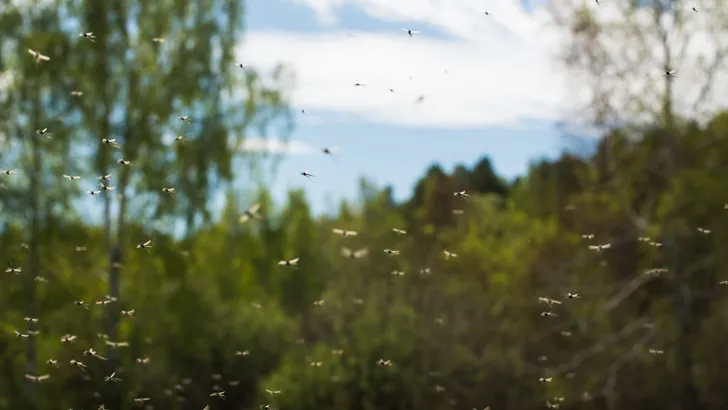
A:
[497,68]
[273,145]
[502,68]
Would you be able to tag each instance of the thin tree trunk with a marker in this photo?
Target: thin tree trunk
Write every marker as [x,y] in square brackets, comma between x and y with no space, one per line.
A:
[104,169]
[687,393]
[35,209]
[103,158]
[117,259]
[117,253]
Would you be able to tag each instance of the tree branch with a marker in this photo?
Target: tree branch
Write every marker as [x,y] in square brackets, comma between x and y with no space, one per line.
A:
[599,347]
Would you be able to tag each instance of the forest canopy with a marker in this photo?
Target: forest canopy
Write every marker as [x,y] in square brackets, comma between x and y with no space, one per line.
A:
[593,281]
[455,317]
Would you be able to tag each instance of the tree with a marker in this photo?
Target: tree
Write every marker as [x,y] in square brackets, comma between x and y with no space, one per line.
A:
[620,51]
[144,65]
[419,328]
[37,141]
[640,60]
[151,66]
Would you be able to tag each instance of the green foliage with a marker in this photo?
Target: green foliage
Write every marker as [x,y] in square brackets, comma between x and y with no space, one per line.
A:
[422,329]
[451,321]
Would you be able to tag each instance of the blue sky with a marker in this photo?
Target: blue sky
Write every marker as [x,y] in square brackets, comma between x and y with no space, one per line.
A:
[492,85]
[484,92]
[398,156]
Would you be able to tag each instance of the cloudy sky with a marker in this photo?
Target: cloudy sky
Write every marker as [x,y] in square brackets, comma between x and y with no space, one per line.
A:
[490,87]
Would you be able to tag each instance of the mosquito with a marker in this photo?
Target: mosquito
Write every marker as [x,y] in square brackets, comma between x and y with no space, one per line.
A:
[250,213]
[89,36]
[93,353]
[37,379]
[548,301]
[348,253]
[78,364]
[38,56]
[307,175]
[81,303]
[328,151]
[111,142]
[449,255]
[44,132]
[21,335]
[599,248]
[344,233]
[292,262]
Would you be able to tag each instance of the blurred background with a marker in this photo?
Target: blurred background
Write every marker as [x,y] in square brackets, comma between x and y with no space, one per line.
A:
[583,270]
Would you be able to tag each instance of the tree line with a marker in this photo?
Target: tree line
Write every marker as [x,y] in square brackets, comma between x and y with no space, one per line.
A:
[592,281]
